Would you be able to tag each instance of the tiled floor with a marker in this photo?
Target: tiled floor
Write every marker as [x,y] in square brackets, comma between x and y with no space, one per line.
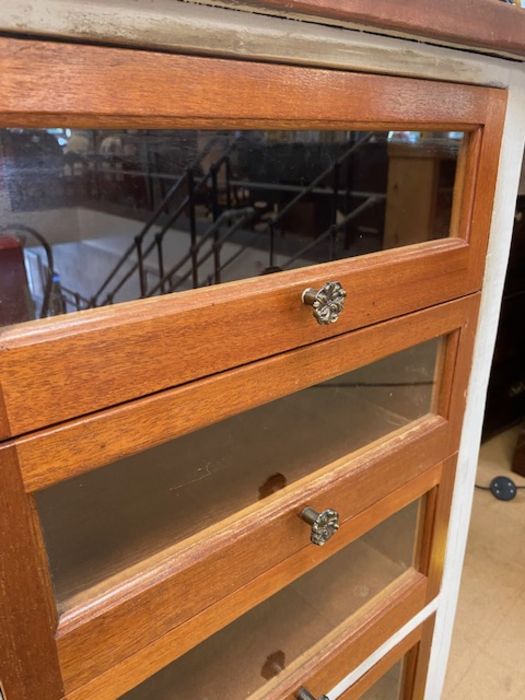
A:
[487,660]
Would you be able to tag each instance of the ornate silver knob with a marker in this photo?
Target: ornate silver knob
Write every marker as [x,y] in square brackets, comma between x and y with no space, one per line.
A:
[327,302]
[303,694]
[323,524]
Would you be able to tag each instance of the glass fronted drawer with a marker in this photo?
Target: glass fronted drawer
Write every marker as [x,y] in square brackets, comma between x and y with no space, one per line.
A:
[209,233]
[245,471]
[239,661]
[103,527]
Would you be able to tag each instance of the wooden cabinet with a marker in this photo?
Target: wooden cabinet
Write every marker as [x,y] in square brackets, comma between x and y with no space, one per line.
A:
[392,675]
[164,459]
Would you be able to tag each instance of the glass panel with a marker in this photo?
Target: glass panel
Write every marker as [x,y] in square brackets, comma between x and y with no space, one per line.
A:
[387,687]
[239,659]
[73,202]
[99,525]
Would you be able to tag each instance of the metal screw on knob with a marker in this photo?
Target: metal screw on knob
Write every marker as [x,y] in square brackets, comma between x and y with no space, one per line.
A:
[327,302]
[303,694]
[324,524]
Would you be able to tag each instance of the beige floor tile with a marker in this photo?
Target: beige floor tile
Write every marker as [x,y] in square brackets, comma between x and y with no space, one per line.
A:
[507,643]
[488,645]
[485,679]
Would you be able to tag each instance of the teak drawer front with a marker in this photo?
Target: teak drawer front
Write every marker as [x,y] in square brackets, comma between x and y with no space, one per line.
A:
[99,355]
[349,605]
[110,355]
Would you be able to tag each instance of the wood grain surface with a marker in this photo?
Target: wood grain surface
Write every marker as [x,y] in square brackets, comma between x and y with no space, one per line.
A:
[61,452]
[28,655]
[56,84]
[83,362]
[383,666]
[420,660]
[435,530]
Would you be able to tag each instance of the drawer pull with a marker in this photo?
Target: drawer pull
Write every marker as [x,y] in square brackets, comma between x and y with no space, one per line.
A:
[323,524]
[303,694]
[327,302]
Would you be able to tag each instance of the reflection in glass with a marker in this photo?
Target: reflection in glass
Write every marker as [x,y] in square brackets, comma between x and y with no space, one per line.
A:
[94,217]
[387,687]
[241,658]
[101,526]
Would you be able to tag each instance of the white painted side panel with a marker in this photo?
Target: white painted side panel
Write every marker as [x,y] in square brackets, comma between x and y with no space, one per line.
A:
[501,232]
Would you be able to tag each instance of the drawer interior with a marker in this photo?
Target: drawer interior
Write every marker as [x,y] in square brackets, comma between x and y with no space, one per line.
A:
[102,527]
[259,646]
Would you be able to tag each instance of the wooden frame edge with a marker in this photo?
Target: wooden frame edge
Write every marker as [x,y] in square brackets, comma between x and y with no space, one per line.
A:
[28,654]
[381,667]
[44,90]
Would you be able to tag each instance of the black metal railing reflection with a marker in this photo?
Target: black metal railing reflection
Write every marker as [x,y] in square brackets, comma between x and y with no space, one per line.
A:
[240,216]
[188,203]
[137,244]
[193,186]
[74,301]
[235,207]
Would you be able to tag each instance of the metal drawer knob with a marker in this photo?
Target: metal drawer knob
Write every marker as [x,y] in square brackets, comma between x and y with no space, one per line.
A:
[327,302]
[303,694]
[323,524]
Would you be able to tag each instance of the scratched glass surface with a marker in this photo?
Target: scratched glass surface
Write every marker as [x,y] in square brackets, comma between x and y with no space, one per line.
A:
[106,525]
[259,646]
[96,217]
